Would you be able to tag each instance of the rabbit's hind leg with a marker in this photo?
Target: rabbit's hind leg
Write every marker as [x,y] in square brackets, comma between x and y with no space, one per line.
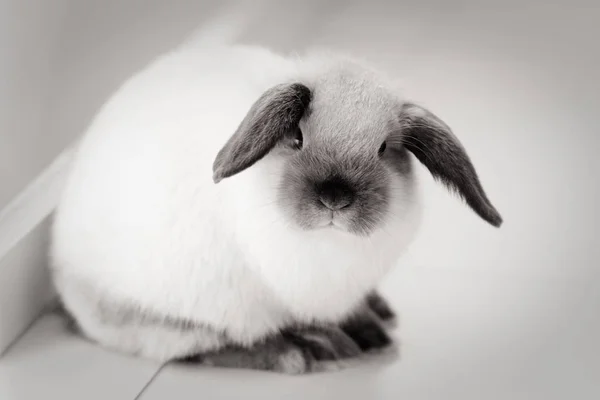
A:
[126,328]
[276,354]
[296,350]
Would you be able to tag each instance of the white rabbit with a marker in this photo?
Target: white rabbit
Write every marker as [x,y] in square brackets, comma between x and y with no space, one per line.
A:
[239,206]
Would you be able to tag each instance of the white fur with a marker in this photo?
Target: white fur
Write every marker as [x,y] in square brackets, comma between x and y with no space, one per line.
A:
[141,221]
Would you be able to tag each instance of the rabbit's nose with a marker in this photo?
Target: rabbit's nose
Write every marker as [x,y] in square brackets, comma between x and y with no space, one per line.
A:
[335,195]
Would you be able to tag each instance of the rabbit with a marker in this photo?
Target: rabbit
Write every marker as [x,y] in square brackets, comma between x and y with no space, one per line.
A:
[238,207]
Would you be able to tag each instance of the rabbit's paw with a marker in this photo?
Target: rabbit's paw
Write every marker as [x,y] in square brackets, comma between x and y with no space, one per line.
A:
[367,330]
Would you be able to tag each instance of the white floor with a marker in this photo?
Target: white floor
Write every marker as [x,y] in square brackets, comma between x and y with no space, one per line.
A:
[462,336]
[485,314]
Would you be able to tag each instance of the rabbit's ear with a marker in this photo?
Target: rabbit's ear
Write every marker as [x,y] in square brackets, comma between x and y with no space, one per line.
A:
[275,113]
[434,145]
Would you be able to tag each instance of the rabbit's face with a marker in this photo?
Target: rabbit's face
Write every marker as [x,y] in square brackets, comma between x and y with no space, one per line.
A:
[341,142]
[344,168]
[340,175]
[350,189]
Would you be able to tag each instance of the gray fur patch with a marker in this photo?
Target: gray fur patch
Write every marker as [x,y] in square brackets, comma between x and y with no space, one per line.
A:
[126,327]
[298,349]
[380,306]
[325,343]
[399,160]
[366,329]
[273,354]
[116,312]
[122,314]
[362,174]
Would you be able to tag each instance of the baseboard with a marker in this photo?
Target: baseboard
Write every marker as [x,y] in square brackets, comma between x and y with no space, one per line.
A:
[24,223]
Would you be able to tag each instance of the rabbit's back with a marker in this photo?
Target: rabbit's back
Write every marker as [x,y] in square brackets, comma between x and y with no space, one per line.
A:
[140,217]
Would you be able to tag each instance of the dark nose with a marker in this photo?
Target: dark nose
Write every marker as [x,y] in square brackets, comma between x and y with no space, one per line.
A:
[335,194]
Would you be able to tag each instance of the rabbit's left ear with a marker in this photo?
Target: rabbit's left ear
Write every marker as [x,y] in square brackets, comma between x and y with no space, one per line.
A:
[436,147]
[277,112]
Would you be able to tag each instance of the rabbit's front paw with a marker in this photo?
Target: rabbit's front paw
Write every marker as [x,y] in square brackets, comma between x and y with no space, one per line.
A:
[367,331]
[381,308]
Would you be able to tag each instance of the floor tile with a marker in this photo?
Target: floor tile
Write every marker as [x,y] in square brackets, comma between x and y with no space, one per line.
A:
[48,362]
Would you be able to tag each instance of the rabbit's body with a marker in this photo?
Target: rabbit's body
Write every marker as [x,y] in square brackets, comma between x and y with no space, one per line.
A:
[151,257]
[142,225]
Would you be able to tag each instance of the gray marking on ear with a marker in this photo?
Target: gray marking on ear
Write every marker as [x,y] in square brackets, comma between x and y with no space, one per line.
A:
[276,112]
[434,145]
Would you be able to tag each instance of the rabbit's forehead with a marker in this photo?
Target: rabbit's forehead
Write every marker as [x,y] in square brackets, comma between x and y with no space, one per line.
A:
[343,137]
[349,117]
[350,108]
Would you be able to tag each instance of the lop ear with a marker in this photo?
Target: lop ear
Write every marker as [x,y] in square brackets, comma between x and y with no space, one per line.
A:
[275,113]
[434,145]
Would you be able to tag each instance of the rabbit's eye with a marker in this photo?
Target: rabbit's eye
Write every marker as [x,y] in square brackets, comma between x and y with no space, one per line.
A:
[382,148]
[297,140]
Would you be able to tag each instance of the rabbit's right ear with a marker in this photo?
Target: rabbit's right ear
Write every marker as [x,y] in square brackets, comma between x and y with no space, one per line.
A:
[434,144]
[275,113]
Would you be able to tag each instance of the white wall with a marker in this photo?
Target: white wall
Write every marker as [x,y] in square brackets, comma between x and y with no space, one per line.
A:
[60,59]
[29,33]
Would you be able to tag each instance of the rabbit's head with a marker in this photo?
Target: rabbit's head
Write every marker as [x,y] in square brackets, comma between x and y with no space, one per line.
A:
[341,139]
